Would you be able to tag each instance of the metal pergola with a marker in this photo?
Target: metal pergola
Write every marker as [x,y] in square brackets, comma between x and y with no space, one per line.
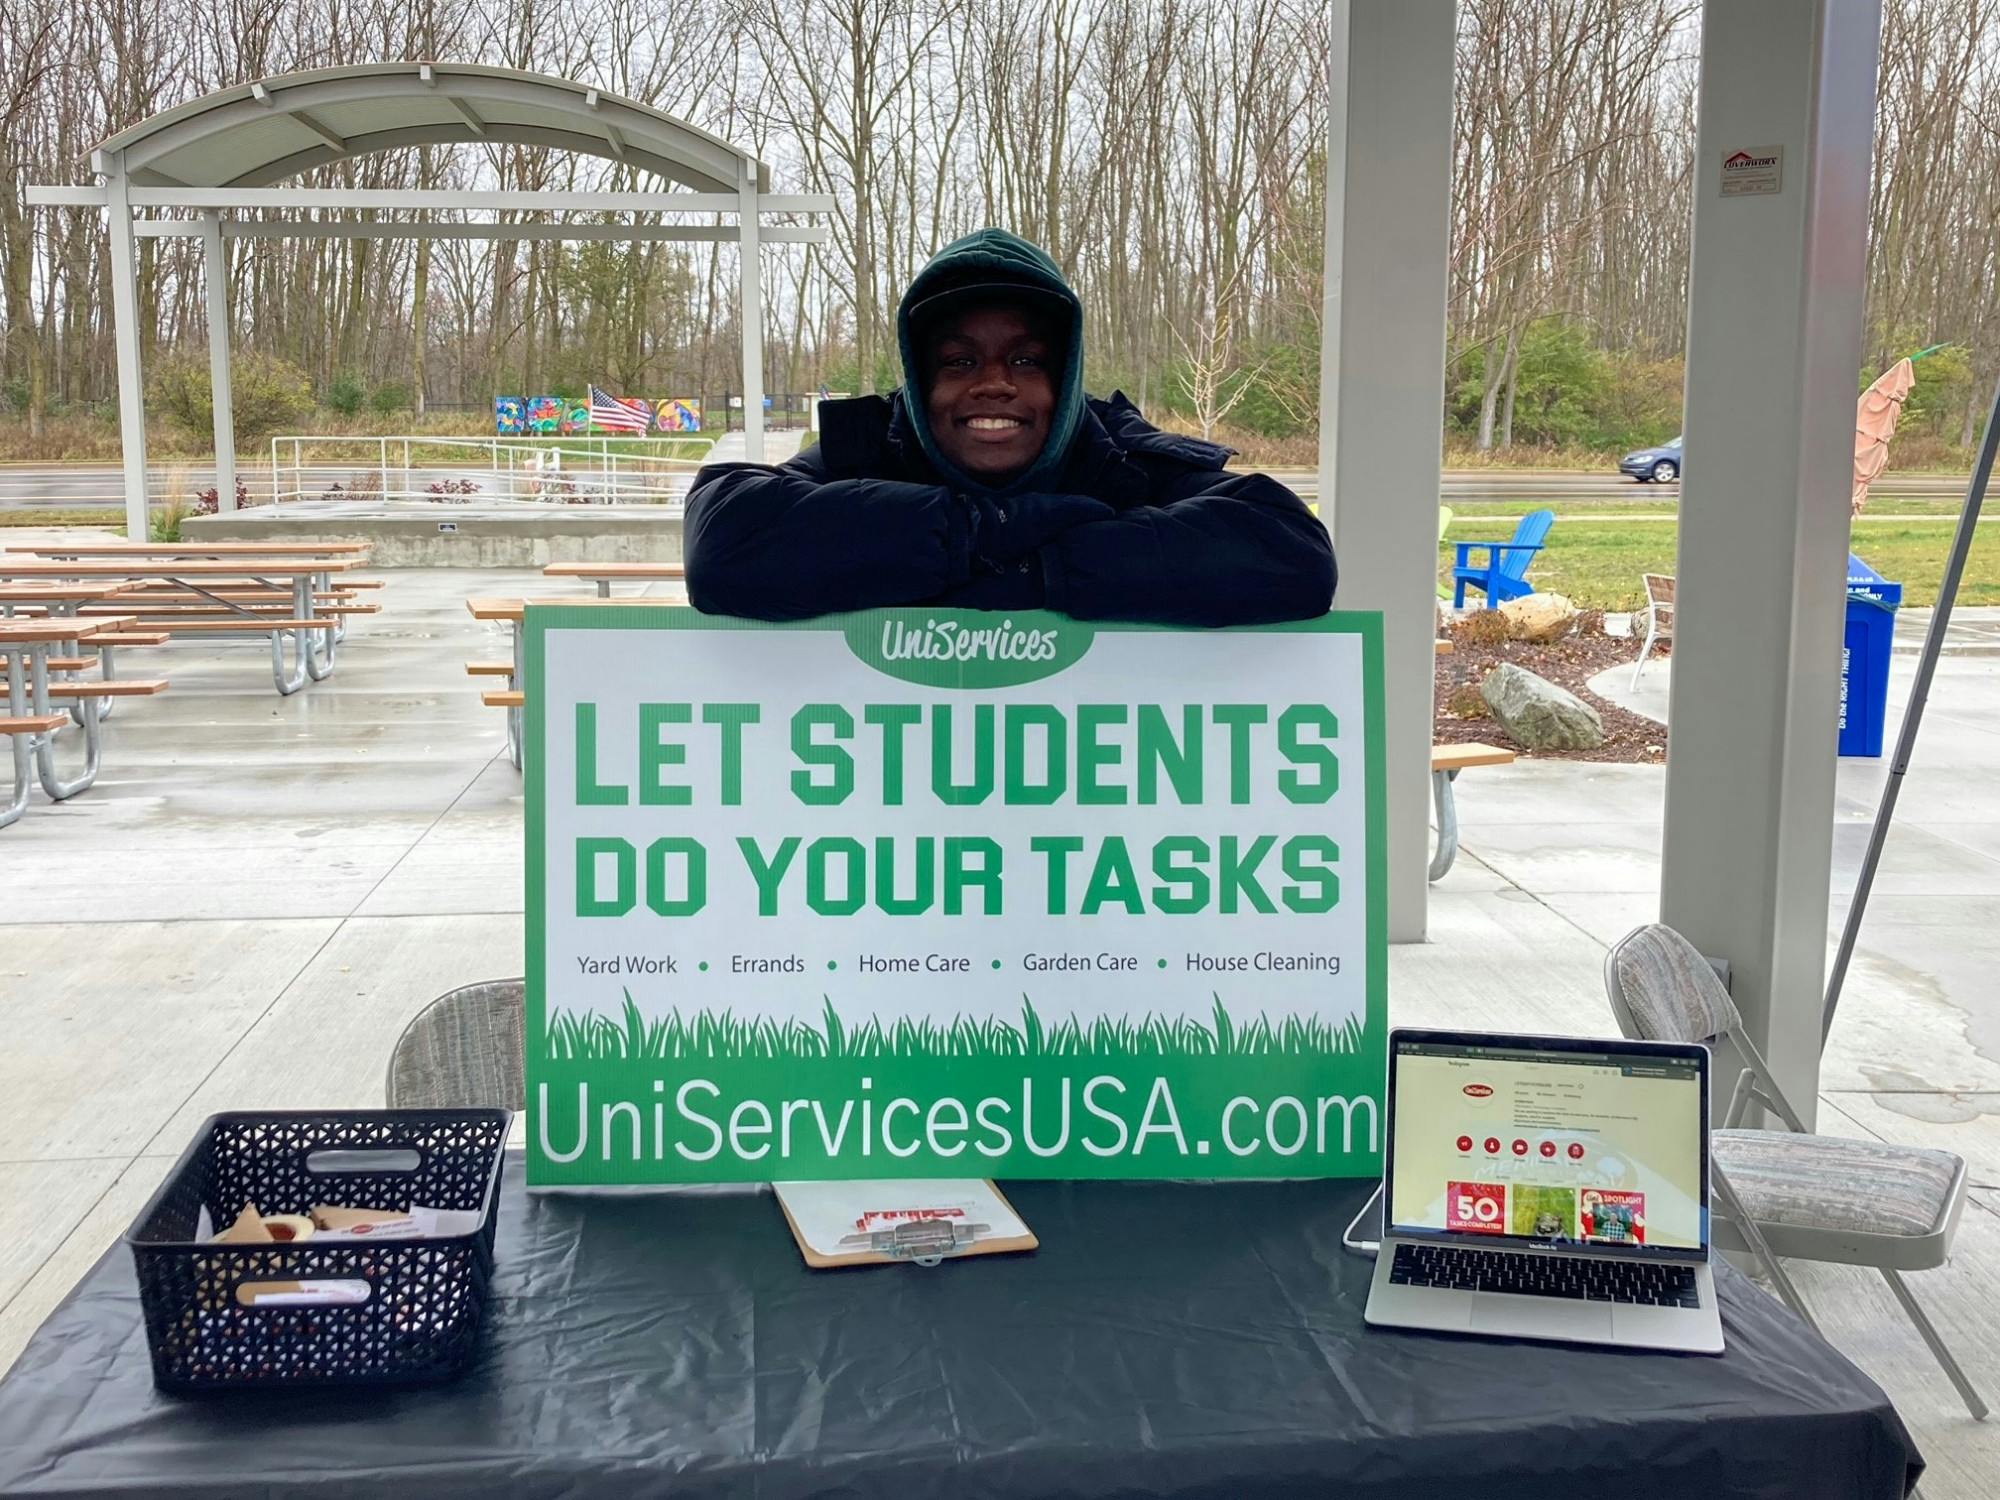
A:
[225,151]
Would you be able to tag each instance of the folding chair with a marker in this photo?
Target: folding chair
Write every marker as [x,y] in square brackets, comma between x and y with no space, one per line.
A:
[1790,1192]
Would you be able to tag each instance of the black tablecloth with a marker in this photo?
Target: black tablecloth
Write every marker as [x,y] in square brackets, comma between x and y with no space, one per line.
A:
[1201,1342]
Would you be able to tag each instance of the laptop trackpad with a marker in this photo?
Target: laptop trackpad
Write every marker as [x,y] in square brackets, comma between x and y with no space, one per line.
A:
[1541,1317]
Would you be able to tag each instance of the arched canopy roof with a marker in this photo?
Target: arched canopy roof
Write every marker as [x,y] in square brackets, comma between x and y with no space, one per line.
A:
[260,133]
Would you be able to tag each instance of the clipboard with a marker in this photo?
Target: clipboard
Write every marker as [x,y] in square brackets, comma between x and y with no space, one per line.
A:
[908,1232]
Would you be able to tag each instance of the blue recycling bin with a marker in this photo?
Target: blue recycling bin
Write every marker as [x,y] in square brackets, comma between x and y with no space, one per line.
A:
[1872,602]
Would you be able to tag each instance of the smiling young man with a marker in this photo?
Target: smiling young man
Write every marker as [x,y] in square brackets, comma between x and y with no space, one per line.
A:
[990,481]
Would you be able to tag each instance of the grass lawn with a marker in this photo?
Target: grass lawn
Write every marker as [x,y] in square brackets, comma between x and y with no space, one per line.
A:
[1668,502]
[1597,563]
[56,515]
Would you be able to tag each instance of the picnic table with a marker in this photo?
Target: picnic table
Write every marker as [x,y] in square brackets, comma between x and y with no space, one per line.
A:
[604,574]
[1446,762]
[513,612]
[59,600]
[32,722]
[196,549]
[284,596]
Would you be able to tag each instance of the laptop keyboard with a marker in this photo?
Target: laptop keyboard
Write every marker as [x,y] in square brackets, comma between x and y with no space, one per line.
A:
[1579,1278]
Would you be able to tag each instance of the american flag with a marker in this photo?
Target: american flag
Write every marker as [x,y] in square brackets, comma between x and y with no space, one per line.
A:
[606,410]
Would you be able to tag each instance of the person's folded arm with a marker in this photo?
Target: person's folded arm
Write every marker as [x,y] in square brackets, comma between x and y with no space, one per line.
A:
[1235,549]
[787,543]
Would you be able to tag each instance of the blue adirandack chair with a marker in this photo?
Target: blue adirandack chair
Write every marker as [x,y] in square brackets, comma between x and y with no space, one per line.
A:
[1504,574]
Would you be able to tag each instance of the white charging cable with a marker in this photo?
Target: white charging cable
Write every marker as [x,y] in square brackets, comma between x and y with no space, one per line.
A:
[1370,1218]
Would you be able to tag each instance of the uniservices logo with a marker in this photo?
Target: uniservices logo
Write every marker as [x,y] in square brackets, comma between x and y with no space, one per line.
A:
[967,651]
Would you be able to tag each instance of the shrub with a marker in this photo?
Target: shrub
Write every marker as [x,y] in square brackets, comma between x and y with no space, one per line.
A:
[1467,702]
[1483,627]
[165,523]
[1570,396]
[266,393]
[446,490]
[207,502]
[346,394]
[390,399]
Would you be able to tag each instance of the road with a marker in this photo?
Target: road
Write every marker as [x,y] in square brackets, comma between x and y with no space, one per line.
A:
[101,484]
[1532,487]
[71,485]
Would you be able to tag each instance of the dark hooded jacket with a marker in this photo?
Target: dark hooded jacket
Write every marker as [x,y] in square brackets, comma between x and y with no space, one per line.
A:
[1115,521]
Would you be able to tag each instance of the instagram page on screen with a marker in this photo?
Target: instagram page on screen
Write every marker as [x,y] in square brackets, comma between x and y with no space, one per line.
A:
[1593,1147]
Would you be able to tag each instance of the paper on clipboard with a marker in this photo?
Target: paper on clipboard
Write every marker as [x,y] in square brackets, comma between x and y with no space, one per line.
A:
[872,1221]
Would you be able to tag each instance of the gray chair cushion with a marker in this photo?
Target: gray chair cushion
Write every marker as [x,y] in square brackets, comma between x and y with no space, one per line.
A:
[1824,1182]
[1670,990]
[463,1051]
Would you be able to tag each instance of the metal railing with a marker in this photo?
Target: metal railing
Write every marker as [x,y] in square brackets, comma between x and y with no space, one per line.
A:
[435,470]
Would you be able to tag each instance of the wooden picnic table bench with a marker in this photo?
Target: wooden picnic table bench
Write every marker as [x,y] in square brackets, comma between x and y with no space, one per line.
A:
[14,565]
[172,550]
[604,574]
[59,591]
[278,594]
[56,599]
[513,613]
[156,608]
[1446,762]
[31,721]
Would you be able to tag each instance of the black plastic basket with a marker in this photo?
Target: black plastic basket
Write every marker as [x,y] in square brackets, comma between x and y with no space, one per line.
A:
[420,1321]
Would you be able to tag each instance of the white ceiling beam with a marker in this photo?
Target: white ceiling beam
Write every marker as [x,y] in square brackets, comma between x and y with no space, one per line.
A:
[467,113]
[474,200]
[312,123]
[321,229]
[43,196]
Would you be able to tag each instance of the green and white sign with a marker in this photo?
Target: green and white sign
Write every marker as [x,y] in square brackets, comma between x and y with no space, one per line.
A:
[921,893]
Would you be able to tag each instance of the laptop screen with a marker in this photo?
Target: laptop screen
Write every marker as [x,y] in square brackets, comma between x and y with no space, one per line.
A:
[1581,1143]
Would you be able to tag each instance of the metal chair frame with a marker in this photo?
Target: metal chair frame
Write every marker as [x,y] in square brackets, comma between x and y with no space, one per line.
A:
[1769,1241]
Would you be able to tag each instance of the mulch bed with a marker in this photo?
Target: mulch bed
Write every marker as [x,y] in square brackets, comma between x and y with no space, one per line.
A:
[1461,715]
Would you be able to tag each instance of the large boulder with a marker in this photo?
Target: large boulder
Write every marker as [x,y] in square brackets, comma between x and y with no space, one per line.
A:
[1539,617]
[1538,714]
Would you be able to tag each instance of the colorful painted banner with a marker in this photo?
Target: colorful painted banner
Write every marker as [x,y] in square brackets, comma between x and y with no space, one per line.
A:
[924,893]
[545,414]
[677,416]
[515,416]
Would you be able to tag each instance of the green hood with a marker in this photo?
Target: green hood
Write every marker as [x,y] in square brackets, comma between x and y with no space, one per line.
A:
[987,257]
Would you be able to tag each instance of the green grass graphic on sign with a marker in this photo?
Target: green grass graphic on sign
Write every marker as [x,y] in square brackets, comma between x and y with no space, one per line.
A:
[706,1034]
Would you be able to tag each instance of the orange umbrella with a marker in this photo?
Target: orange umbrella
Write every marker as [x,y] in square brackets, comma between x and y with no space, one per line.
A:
[1875,423]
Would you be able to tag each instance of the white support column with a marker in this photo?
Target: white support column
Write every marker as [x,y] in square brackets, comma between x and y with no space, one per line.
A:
[125,339]
[1388,196]
[1774,339]
[751,315]
[215,272]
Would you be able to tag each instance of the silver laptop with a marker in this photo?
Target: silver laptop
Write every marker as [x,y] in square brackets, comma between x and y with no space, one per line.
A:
[1547,1188]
